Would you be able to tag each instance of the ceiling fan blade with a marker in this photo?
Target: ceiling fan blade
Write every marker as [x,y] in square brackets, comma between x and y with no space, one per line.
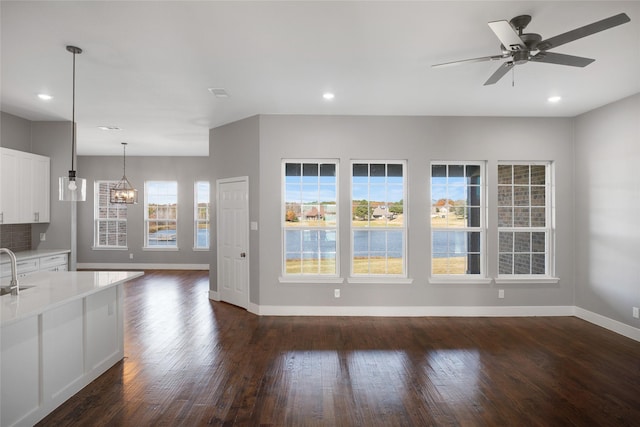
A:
[562,59]
[581,32]
[504,68]
[507,35]
[464,61]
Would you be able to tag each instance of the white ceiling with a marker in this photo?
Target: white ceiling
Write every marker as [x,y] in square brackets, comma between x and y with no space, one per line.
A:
[147,65]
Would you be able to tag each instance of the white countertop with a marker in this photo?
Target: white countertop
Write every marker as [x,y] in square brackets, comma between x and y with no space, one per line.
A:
[37,253]
[51,289]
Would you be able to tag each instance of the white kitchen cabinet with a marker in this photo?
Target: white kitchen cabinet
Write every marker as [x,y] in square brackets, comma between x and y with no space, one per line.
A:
[24,187]
[20,372]
[34,262]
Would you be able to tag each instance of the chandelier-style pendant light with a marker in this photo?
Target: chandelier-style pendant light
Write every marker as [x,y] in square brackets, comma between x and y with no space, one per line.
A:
[72,188]
[123,192]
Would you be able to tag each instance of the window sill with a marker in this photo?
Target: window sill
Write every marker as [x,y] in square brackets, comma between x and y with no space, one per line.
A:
[381,280]
[527,279]
[310,279]
[163,248]
[462,280]
[109,248]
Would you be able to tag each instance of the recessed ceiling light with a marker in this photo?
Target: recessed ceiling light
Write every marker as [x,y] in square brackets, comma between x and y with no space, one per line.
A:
[109,128]
[45,97]
[219,92]
[554,99]
[328,96]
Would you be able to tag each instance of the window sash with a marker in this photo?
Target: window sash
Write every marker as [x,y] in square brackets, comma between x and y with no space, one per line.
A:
[378,227]
[161,216]
[110,220]
[202,222]
[309,218]
[525,229]
[458,230]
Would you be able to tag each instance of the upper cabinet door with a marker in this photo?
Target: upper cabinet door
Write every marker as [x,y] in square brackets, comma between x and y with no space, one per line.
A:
[9,206]
[40,185]
[24,187]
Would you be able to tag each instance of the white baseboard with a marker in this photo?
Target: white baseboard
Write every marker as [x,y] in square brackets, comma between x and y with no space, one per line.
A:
[516,311]
[139,266]
[607,323]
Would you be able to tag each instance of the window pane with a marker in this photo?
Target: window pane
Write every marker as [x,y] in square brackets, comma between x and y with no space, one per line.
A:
[522,264]
[521,174]
[505,264]
[505,196]
[521,196]
[360,169]
[505,174]
[293,169]
[522,242]
[505,241]
[505,217]
[538,175]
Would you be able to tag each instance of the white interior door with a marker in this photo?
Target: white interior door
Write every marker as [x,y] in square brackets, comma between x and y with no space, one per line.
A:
[233,240]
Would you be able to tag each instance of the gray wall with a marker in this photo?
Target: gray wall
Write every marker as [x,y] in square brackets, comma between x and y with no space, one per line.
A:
[419,140]
[235,150]
[607,205]
[185,170]
[15,132]
[53,139]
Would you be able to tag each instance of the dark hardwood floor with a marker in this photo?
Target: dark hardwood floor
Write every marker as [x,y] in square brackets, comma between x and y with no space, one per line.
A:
[190,361]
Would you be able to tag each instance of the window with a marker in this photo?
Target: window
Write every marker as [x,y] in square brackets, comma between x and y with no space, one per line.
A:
[202,226]
[161,214]
[378,222]
[524,219]
[110,220]
[310,218]
[457,218]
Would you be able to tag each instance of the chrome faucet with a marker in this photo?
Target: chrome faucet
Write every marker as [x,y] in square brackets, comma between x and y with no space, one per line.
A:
[14,286]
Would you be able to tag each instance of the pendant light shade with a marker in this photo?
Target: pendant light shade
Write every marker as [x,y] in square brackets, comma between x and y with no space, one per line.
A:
[72,188]
[123,192]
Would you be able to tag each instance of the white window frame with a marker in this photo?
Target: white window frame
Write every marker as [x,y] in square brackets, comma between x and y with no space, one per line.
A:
[147,220]
[97,220]
[403,277]
[482,277]
[197,221]
[548,229]
[287,277]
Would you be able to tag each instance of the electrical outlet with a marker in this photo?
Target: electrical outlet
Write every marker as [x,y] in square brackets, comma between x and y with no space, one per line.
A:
[130,256]
[636,312]
[43,237]
[500,293]
[336,293]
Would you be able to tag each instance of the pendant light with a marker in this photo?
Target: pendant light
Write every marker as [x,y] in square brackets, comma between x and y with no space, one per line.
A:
[72,188]
[123,192]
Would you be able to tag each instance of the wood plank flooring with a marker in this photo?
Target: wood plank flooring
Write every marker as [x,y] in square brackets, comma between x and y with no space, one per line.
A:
[190,361]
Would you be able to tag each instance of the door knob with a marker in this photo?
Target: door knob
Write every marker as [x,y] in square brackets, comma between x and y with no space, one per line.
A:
[243,254]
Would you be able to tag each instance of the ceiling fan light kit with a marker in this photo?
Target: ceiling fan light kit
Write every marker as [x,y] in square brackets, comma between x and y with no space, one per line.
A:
[519,47]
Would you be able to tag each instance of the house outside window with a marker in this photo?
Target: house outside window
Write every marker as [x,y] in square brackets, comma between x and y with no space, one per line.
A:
[378,219]
[310,218]
[458,227]
[161,214]
[202,224]
[110,219]
[525,232]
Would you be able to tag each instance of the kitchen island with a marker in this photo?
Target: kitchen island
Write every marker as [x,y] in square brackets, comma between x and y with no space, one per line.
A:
[60,333]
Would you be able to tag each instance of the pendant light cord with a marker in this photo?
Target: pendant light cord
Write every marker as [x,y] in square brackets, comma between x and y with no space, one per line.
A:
[73,115]
[124,159]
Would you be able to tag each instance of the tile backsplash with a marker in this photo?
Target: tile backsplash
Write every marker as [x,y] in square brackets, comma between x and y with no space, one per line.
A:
[16,237]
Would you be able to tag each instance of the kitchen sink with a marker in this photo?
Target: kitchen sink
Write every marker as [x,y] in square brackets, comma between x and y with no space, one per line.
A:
[7,291]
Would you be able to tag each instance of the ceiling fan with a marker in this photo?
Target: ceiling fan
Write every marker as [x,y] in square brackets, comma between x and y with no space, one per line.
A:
[521,47]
